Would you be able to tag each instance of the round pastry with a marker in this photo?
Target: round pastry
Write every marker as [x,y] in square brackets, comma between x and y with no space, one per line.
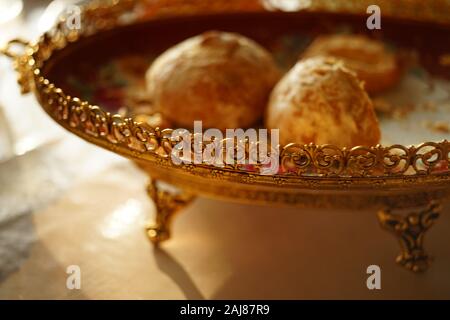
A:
[223,79]
[370,59]
[321,101]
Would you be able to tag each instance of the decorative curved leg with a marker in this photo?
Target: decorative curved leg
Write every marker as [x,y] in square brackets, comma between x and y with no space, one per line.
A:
[167,204]
[410,230]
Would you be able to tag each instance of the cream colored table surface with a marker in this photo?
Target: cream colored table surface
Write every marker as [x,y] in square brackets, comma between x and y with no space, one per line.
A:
[95,219]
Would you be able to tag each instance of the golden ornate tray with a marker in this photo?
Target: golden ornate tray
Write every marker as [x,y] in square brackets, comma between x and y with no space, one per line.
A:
[405,183]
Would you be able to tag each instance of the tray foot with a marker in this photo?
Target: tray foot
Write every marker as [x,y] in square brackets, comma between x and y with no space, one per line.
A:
[410,228]
[167,205]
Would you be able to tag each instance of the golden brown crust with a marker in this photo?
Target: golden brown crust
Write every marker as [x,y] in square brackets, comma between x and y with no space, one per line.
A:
[372,62]
[221,78]
[321,101]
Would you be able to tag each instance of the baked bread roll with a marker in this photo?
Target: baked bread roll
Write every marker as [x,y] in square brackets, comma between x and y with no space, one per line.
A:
[370,59]
[321,101]
[223,79]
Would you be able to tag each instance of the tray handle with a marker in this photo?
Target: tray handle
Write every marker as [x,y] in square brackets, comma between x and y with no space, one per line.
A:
[20,51]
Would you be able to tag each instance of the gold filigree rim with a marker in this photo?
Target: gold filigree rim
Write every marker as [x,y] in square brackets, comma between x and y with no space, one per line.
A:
[310,166]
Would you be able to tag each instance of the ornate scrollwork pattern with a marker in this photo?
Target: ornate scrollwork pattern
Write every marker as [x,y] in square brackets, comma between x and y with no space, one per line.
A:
[410,230]
[426,158]
[140,141]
